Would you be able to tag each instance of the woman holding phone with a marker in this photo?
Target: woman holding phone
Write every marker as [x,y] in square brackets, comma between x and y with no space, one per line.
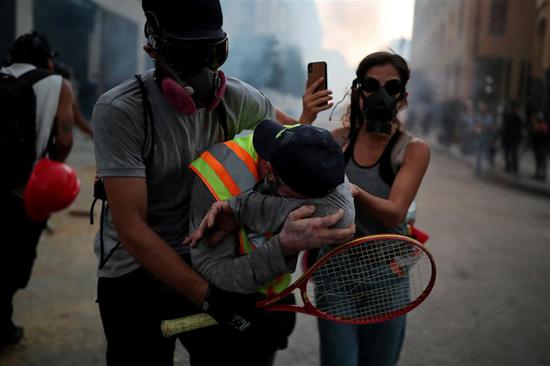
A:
[385,166]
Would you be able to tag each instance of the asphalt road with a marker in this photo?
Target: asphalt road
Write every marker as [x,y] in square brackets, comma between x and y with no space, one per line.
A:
[490,305]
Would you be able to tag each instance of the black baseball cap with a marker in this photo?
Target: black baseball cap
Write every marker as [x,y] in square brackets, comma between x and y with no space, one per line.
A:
[186,19]
[33,49]
[306,158]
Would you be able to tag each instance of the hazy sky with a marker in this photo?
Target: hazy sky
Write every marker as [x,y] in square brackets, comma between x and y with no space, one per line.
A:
[358,27]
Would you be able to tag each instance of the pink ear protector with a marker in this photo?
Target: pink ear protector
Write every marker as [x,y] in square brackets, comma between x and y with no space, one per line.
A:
[181,100]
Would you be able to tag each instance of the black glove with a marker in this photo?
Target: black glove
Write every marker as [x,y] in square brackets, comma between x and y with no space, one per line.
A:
[234,310]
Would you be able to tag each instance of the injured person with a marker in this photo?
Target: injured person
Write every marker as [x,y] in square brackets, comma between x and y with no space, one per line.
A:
[243,193]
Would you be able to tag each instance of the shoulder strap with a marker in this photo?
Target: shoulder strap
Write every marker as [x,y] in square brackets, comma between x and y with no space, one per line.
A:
[99,188]
[33,76]
[387,171]
[28,79]
[147,121]
[398,150]
[349,150]
[5,76]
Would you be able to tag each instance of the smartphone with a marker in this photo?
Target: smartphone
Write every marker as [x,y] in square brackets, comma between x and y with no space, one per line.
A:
[315,70]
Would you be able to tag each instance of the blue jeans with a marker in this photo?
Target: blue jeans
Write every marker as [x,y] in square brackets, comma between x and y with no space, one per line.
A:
[361,345]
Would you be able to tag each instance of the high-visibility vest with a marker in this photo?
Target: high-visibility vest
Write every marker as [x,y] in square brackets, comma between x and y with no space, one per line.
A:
[228,169]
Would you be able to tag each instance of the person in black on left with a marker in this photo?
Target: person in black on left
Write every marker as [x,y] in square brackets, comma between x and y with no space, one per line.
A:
[41,124]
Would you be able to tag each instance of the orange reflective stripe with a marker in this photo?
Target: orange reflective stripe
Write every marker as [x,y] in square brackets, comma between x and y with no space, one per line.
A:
[223,174]
[205,181]
[245,156]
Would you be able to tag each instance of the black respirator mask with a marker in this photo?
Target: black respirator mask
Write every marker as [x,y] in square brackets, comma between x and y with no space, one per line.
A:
[187,70]
[379,108]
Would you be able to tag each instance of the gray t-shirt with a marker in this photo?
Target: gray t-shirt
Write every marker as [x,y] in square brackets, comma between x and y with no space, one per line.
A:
[258,213]
[123,148]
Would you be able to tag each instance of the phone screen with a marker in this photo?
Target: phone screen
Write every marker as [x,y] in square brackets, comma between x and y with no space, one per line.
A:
[315,70]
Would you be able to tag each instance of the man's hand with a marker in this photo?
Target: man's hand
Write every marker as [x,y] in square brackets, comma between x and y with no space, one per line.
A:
[300,232]
[313,103]
[218,223]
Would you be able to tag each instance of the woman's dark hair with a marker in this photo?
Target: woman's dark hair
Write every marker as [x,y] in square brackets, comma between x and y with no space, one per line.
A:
[384,58]
[354,115]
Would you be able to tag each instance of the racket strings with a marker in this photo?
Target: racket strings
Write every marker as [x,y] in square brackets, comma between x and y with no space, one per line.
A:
[371,279]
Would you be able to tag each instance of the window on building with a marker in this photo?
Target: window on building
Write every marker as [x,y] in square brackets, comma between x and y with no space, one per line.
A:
[499,13]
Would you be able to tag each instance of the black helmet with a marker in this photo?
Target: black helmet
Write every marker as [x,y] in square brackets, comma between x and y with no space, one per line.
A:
[187,33]
[185,20]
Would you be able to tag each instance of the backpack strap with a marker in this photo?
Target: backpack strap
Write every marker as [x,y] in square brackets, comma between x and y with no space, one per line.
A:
[99,188]
[33,76]
[28,79]
[147,121]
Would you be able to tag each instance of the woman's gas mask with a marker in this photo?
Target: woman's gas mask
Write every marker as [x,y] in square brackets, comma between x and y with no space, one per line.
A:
[379,108]
[187,69]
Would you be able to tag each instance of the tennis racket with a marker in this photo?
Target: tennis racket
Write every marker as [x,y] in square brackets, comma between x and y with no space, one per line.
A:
[368,280]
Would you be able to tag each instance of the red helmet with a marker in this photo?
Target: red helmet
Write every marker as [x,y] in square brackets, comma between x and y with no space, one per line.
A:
[52,187]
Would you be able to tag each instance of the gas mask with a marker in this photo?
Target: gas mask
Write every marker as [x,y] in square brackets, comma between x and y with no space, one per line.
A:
[187,69]
[204,88]
[379,108]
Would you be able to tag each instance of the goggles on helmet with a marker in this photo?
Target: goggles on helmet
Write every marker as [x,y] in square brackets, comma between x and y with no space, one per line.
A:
[186,53]
[196,54]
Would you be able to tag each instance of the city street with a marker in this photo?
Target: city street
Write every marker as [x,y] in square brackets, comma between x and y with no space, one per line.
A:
[490,305]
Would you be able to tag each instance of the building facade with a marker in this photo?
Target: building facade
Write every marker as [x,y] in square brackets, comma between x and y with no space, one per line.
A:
[479,50]
[99,41]
[540,72]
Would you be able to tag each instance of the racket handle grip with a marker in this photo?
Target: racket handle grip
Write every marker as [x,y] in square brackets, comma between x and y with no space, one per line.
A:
[186,324]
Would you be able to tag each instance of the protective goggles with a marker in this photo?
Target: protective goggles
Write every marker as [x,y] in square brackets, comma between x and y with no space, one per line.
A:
[195,54]
[372,85]
[185,52]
